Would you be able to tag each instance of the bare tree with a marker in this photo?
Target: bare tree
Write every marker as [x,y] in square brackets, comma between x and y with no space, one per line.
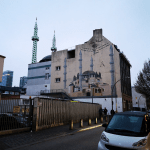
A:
[142,84]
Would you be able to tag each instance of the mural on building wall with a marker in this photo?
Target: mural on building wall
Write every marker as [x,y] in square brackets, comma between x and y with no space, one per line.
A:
[88,83]
[92,84]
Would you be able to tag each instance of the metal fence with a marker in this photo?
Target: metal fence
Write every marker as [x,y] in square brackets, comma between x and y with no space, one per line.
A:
[15,113]
[56,112]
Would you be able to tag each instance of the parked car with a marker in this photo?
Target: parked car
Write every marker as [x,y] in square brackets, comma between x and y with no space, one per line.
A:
[8,122]
[126,130]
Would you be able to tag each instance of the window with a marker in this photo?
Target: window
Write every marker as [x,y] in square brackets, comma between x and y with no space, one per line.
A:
[12,93]
[6,92]
[84,90]
[97,90]
[129,105]
[16,93]
[46,76]
[57,80]
[58,68]
[45,85]
[124,104]
[47,68]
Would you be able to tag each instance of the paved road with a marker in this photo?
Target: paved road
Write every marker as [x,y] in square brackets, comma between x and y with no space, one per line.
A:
[84,140]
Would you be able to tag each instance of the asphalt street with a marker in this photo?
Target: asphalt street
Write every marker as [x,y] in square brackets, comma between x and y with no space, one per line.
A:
[81,140]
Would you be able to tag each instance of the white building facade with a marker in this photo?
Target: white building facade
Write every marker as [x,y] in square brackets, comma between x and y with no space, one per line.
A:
[138,100]
[39,76]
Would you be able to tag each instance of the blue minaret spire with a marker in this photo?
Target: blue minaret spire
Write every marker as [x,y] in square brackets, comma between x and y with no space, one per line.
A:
[65,72]
[112,68]
[91,65]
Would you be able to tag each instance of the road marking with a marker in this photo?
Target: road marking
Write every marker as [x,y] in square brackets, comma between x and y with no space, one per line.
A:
[89,128]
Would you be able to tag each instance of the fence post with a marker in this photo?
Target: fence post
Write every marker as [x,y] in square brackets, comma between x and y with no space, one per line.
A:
[96,120]
[35,114]
[89,121]
[101,119]
[106,118]
[81,122]
[30,112]
[71,125]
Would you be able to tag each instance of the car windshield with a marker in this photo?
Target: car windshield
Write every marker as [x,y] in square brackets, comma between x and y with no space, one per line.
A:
[126,125]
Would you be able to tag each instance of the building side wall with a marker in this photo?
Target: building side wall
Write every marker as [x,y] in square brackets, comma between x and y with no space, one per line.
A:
[58,60]
[117,72]
[138,100]
[101,62]
[1,67]
[36,89]
[37,77]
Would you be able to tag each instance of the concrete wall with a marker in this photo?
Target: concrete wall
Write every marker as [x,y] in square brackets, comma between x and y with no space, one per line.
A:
[37,77]
[138,100]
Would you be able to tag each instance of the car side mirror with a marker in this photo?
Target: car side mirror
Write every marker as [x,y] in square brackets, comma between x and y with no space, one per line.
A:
[104,125]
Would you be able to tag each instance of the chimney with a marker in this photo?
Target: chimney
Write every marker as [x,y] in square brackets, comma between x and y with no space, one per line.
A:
[97,35]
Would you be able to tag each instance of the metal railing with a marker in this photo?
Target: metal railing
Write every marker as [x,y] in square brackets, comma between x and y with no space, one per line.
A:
[14,114]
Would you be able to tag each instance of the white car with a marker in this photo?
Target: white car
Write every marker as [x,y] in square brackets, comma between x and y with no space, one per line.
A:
[128,130]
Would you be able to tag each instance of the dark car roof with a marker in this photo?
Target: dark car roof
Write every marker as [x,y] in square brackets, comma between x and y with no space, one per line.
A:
[133,113]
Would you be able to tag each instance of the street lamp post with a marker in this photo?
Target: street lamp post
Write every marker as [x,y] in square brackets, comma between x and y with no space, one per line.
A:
[112,92]
[138,100]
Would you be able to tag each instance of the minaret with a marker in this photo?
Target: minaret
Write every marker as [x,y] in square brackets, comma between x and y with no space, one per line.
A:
[54,48]
[91,66]
[35,39]
[80,71]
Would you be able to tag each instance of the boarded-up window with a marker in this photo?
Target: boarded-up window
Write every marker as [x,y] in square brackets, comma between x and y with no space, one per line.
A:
[71,54]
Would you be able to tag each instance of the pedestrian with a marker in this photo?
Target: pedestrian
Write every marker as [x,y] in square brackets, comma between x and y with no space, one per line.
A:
[100,113]
[105,113]
[112,112]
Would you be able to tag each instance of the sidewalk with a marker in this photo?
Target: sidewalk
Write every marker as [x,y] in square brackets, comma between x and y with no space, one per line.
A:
[16,140]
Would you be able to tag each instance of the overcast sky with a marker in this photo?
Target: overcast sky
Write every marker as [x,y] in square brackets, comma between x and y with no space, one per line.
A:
[125,23]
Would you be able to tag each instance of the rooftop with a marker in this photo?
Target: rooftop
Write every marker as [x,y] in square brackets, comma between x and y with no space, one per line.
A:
[46,58]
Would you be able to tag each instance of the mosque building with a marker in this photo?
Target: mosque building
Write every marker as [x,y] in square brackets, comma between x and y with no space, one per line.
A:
[95,71]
